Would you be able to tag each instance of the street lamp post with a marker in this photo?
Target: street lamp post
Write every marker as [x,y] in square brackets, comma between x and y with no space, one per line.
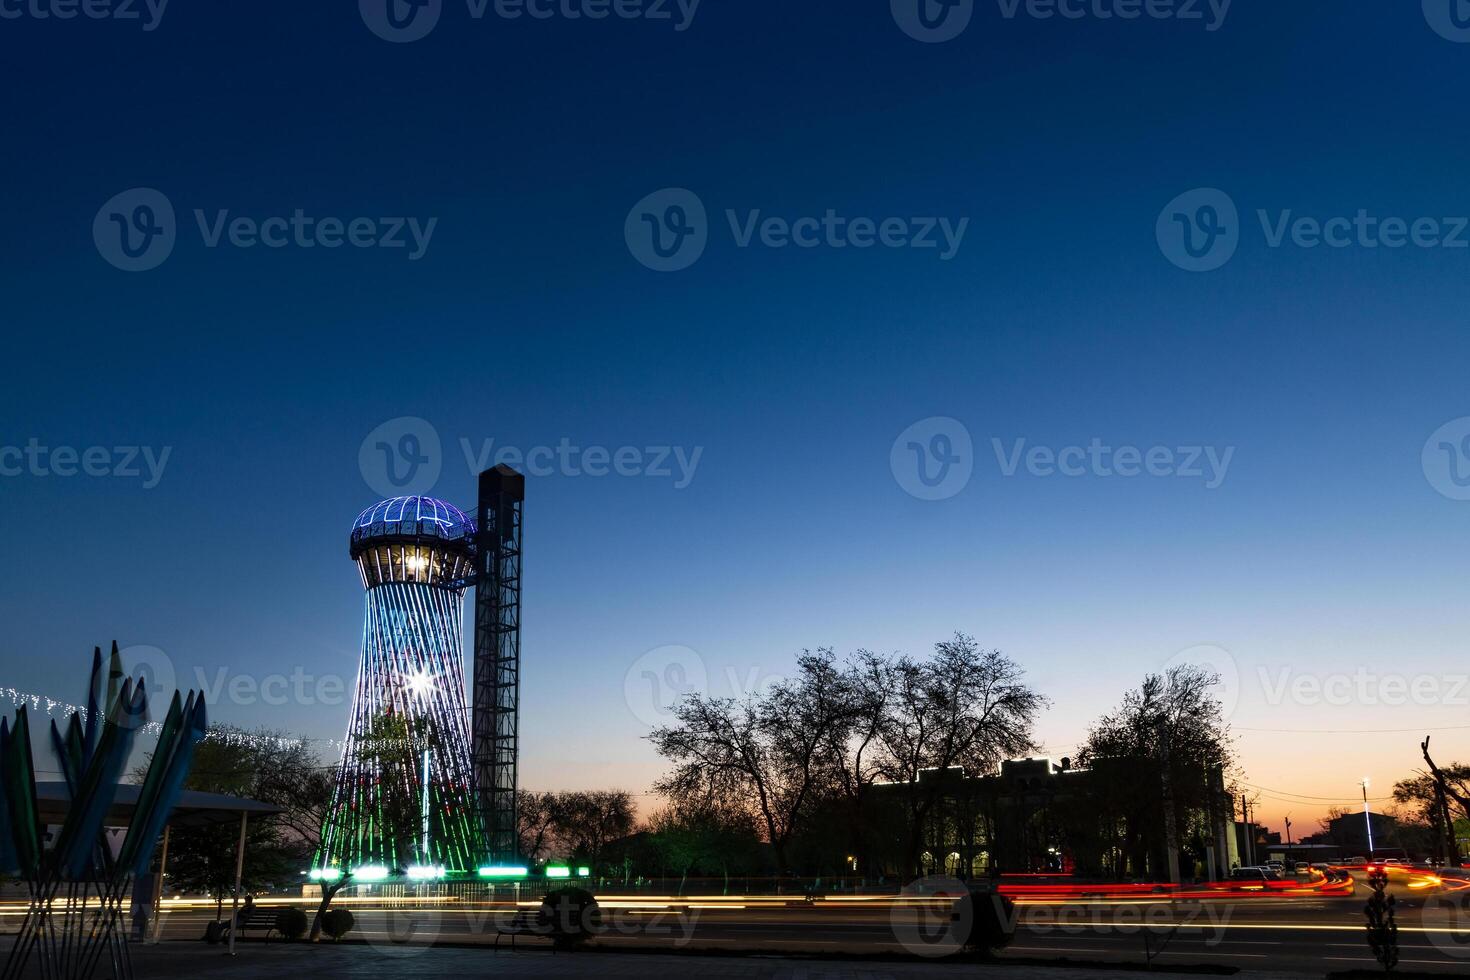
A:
[1367,818]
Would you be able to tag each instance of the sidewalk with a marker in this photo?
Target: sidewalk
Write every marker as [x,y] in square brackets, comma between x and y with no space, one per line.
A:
[259,960]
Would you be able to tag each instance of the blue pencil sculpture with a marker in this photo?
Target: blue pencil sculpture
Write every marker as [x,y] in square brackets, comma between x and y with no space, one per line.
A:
[78,885]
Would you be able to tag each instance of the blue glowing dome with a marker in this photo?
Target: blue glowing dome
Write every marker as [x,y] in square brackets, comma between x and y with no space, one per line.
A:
[422,518]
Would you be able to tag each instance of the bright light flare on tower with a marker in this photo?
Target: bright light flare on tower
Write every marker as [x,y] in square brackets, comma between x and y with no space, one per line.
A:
[421,683]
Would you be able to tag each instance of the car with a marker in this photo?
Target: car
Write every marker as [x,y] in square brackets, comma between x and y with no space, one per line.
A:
[1251,875]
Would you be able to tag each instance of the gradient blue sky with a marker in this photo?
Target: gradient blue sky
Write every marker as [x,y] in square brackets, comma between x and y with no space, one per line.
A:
[1325,551]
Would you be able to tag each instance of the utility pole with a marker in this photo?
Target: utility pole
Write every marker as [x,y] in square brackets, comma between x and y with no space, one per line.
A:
[1288,830]
[1171,827]
[1222,818]
[1250,838]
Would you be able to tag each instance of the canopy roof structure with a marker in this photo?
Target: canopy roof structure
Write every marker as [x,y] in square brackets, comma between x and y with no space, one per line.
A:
[426,519]
[194,809]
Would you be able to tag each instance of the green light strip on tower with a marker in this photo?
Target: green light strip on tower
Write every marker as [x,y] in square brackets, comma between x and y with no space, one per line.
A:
[504,872]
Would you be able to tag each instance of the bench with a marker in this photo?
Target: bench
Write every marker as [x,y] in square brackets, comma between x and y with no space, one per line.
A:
[521,924]
[257,918]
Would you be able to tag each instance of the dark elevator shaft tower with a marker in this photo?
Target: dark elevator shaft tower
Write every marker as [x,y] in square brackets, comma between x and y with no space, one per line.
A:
[498,655]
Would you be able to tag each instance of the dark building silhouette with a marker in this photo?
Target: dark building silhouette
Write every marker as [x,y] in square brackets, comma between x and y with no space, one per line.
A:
[1038,816]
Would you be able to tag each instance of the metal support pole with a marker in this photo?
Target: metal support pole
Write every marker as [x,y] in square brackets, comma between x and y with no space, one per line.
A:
[239,874]
[158,887]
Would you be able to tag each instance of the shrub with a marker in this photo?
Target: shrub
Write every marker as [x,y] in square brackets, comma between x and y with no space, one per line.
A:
[291,923]
[992,919]
[337,923]
[1383,931]
[572,916]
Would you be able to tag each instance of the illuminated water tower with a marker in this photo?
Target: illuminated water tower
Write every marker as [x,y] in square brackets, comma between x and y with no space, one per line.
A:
[406,799]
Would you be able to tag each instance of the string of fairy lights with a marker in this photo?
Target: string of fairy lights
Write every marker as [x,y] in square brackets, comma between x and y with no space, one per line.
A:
[61,710]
